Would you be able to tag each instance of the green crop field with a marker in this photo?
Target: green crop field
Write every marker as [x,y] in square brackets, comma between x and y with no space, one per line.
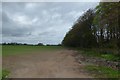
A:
[24,49]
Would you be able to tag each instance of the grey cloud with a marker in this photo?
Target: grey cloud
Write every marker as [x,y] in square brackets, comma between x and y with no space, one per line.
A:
[10,28]
[0,22]
[45,22]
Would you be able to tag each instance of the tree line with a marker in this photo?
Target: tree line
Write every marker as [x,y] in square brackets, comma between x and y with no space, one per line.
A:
[39,44]
[99,27]
[14,43]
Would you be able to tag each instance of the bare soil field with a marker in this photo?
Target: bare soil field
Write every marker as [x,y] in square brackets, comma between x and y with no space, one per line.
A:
[53,64]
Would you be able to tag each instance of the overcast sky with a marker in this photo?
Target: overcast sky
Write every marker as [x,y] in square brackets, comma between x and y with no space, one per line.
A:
[45,22]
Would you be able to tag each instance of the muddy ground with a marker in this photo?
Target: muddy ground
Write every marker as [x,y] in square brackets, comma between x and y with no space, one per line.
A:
[56,64]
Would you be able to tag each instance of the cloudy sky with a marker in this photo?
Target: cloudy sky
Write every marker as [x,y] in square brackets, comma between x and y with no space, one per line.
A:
[45,22]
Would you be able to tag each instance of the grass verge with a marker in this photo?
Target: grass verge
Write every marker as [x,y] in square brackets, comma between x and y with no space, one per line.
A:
[105,54]
[5,74]
[102,71]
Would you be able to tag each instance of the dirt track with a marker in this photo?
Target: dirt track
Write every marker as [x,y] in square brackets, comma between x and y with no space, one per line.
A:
[57,64]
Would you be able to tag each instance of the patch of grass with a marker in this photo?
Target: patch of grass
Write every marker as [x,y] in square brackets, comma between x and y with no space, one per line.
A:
[22,49]
[102,71]
[108,55]
[0,73]
[5,74]
[91,53]
[0,50]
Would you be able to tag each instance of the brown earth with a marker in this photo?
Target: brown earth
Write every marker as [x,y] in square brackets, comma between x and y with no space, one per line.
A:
[54,64]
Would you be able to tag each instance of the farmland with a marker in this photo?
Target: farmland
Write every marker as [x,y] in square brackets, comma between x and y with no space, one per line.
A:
[48,62]
[42,61]
[25,49]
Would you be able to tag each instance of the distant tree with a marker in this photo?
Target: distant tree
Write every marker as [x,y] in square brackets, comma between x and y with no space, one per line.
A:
[47,44]
[24,44]
[4,43]
[59,44]
[40,44]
